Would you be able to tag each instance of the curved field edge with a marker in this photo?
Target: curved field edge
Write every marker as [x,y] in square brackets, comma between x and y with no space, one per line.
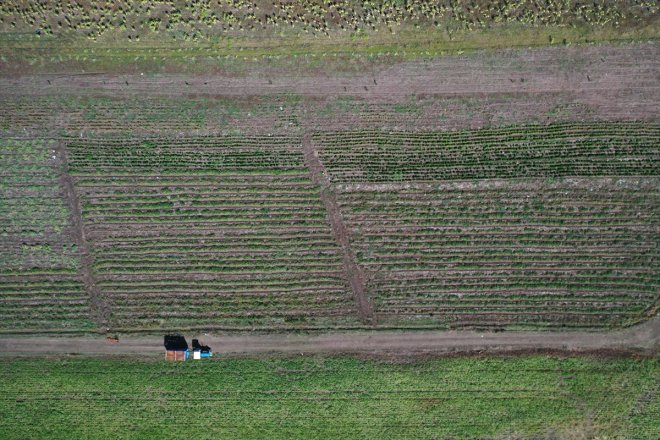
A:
[337,397]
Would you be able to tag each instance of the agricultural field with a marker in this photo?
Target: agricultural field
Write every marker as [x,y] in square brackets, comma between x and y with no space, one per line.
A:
[553,150]
[434,194]
[543,253]
[395,219]
[222,232]
[554,246]
[340,230]
[496,398]
[59,115]
[41,288]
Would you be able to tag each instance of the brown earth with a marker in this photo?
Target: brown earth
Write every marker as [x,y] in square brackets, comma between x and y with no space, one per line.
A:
[592,70]
[485,88]
[643,338]
[356,276]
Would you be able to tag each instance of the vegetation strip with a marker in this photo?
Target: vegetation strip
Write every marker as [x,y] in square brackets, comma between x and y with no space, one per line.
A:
[225,36]
[560,149]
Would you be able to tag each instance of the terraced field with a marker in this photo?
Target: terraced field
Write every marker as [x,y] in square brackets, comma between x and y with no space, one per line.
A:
[539,226]
[222,232]
[479,228]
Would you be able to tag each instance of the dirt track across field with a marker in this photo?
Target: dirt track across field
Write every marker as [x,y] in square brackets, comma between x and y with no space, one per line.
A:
[644,337]
[356,277]
[614,81]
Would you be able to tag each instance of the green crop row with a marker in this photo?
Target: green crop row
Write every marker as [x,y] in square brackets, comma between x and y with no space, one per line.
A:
[562,149]
[198,155]
[44,304]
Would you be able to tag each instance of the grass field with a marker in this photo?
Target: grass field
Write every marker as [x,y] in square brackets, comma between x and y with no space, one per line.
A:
[341,398]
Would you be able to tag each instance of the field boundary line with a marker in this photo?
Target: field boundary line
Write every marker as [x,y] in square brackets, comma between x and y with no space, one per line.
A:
[99,309]
[354,273]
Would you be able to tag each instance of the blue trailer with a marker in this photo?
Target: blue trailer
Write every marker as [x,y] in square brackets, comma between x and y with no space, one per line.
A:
[176,349]
[201,351]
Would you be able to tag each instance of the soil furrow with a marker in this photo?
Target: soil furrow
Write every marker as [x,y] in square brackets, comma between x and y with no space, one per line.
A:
[354,273]
[100,310]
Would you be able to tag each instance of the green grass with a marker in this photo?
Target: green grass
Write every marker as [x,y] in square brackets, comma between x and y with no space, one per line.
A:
[335,398]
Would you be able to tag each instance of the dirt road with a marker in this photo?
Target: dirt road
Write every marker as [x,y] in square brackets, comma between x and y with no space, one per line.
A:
[645,337]
[617,81]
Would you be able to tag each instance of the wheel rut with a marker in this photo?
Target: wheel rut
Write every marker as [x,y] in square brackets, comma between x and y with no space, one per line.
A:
[354,273]
[99,308]
[642,339]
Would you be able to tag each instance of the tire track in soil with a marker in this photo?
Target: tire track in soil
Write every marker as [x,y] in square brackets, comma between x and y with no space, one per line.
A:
[100,310]
[354,273]
[641,339]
